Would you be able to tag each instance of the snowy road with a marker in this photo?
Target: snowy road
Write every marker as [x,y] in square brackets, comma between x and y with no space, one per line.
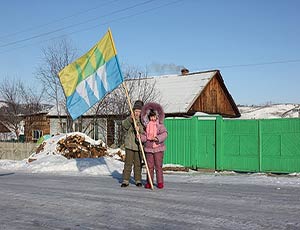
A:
[45,201]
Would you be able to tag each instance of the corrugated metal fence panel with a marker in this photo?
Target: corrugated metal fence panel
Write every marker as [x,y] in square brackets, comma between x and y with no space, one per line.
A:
[190,142]
[280,145]
[178,142]
[204,144]
[240,146]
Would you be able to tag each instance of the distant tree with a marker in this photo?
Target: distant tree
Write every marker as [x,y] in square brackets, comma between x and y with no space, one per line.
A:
[19,100]
[55,57]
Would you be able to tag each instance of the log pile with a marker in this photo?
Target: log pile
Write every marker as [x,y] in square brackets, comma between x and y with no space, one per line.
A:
[40,148]
[122,156]
[75,146]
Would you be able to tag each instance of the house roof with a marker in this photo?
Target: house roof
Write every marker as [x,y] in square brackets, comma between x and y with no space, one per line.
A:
[179,92]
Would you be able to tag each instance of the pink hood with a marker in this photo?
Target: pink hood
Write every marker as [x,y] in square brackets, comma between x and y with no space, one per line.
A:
[156,108]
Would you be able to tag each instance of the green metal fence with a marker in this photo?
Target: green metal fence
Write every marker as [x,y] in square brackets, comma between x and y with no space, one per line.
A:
[280,145]
[265,145]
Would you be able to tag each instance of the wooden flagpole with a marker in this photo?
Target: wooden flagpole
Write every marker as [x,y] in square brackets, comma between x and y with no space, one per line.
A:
[132,114]
[138,135]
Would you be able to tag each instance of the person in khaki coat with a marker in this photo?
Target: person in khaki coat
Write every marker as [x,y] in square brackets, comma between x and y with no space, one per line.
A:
[133,154]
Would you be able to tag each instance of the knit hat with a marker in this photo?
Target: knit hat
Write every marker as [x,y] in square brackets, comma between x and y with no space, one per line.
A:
[138,105]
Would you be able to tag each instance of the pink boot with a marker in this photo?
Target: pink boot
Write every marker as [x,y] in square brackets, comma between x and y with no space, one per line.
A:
[147,186]
[160,185]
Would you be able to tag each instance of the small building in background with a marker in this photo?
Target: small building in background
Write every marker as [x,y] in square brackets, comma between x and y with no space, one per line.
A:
[6,134]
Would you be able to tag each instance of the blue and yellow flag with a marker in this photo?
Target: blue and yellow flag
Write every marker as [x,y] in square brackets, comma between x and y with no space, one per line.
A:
[91,77]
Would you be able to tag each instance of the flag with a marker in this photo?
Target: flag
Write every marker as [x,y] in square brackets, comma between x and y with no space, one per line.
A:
[91,77]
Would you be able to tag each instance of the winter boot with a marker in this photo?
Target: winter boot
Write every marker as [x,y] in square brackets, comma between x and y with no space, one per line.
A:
[160,185]
[147,186]
[123,185]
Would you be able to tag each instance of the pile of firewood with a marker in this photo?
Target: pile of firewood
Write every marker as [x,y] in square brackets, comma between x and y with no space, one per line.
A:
[40,148]
[75,146]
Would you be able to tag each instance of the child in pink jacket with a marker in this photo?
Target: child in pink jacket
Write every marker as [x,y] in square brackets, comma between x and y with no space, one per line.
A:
[152,116]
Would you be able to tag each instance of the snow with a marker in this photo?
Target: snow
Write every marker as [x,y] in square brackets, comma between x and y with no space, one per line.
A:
[269,111]
[61,165]
[109,166]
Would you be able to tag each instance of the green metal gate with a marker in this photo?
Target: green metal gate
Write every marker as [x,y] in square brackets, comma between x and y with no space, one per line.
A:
[191,143]
[239,150]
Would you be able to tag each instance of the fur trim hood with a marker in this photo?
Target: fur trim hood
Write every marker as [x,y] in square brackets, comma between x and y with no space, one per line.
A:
[156,108]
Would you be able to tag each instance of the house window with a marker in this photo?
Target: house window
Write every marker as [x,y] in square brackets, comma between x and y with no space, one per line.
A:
[94,132]
[36,134]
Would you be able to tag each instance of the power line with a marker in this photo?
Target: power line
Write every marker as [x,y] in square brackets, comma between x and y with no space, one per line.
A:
[73,25]
[90,28]
[54,21]
[254,64]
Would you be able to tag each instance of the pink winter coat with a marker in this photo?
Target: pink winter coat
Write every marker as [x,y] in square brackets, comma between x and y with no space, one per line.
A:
[160,129]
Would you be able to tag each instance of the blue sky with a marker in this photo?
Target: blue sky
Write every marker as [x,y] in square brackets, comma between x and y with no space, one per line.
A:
[254,43]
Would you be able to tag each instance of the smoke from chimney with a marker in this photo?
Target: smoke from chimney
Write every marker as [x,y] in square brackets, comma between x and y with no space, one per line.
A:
[156,68]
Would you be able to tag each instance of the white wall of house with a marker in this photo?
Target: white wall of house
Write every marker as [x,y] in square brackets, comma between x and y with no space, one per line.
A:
[95,131]
[54,126]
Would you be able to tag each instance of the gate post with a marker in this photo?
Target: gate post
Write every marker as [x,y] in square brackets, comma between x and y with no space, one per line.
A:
[259,146]
[218,141]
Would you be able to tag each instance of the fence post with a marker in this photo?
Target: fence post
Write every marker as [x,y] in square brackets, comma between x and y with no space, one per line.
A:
[218,141]
[259,146]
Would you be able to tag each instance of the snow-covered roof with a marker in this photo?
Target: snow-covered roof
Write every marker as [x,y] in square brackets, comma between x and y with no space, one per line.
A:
[3,104]
[55,110]
[179,92]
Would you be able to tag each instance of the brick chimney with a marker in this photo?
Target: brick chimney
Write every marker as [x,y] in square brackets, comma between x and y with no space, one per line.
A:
[184,71]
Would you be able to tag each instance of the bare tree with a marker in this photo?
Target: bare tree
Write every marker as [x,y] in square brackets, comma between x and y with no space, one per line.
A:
[20,101]
[139,87]
[55,58]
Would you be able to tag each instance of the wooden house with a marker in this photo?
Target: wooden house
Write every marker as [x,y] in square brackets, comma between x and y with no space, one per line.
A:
[189,93]
[5,133]
[36,126]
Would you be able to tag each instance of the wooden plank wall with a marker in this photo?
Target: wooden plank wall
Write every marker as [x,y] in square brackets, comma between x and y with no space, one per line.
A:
[213,100]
